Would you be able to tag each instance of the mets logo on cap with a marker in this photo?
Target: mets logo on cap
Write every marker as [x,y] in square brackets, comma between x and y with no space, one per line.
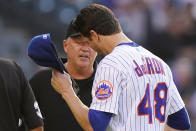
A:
[103,90]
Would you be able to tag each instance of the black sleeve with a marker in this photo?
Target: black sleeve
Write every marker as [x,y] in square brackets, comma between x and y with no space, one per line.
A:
[29,107]
[34,84]
[39,81]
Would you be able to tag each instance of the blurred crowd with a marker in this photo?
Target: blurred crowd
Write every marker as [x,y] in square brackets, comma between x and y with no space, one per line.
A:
[165,27]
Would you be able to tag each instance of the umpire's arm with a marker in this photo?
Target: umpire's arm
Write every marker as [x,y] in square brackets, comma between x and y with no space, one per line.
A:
[29,107]
[38,129]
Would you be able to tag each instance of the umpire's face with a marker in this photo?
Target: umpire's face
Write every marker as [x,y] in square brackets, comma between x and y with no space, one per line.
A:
[79,53]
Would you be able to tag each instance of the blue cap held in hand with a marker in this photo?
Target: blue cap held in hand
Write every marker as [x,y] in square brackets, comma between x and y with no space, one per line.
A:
[43,52]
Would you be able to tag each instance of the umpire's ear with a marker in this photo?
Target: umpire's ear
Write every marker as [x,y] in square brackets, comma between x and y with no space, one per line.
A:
[65,45]
[94,35]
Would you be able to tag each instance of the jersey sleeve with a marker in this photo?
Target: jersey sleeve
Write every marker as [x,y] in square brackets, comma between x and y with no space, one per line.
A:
[179,120]
[29,107]
[175,102]
[99,120]
[107,88]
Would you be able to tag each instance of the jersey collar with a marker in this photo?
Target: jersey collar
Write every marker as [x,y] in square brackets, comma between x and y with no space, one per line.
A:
[133,44]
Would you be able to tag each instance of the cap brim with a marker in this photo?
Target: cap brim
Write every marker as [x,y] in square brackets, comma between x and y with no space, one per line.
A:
[75,35]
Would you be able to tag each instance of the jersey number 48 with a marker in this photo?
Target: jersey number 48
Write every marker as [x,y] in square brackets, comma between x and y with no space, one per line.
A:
[160,98]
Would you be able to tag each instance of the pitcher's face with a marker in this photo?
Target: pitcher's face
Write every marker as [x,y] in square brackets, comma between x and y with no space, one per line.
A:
[94,44]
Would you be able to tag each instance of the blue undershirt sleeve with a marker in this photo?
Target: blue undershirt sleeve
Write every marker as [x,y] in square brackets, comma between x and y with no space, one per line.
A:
[99,120]
[179,120]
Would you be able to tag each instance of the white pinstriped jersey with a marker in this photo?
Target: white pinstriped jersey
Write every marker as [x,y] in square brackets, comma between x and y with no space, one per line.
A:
[137,87]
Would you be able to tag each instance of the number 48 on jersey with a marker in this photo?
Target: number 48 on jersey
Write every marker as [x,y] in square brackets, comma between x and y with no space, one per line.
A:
[160,98]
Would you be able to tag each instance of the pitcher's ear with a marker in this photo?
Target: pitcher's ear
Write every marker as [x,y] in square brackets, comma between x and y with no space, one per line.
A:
[65,45]
[94,35]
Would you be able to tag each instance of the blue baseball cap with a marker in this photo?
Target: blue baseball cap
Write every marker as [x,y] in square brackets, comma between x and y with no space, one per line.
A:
[43,52]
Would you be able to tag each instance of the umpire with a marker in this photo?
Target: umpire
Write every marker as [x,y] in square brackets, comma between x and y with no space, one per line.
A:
[17,100]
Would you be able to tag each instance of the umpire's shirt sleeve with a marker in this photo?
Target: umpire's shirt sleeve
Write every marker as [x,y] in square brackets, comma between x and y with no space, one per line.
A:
[29,107]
